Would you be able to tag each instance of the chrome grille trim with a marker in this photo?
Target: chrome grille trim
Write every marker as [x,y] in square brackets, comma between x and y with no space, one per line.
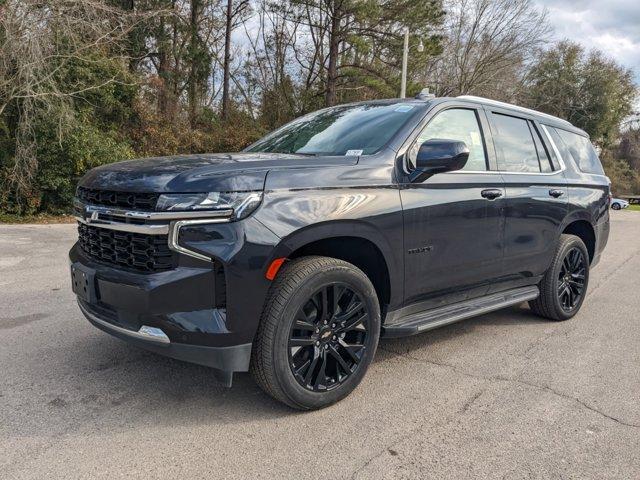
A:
[88,211]
[161,229]
[174,243]
[149,223]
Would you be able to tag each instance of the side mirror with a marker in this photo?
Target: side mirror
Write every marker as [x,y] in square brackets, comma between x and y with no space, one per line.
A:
[438,156]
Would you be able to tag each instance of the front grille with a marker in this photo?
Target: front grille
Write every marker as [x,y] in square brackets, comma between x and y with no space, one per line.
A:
[109,198]
[135,251]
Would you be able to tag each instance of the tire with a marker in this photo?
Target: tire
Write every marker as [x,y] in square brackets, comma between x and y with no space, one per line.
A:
[564,285]
[616,206]
[352,331]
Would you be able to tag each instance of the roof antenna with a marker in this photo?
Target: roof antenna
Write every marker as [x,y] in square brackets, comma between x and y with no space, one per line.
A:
[425,95]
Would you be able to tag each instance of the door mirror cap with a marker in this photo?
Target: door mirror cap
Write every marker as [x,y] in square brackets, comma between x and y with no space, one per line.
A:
[438,156]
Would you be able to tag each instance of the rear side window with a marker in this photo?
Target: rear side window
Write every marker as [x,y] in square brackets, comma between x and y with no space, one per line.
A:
[515,147]
[581,150]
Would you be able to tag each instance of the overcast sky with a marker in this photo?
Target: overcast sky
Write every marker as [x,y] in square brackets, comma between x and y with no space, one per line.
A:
[612,26]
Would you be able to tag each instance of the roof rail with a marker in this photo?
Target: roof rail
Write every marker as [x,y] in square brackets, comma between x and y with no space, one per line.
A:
[530,111]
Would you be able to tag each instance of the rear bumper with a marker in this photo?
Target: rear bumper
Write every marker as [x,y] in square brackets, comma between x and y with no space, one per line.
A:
[602,238]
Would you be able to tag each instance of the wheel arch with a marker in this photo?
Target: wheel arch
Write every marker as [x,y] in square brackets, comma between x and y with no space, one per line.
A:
[355,242]
[583,229]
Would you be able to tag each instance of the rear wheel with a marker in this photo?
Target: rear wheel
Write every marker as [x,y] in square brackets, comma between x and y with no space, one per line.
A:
[616,206]
[318,333]
[564,285]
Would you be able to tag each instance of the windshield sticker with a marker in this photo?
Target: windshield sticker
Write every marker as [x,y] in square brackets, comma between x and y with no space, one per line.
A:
[403,108]
[355,153]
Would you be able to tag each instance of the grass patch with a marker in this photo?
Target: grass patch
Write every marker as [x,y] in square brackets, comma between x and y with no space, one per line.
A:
[634,207]
[38,219]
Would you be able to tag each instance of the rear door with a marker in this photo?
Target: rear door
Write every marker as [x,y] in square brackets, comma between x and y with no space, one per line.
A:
[453,221]
[536,199]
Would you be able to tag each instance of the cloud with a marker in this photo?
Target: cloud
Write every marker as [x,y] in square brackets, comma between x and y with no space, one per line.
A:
[612,26]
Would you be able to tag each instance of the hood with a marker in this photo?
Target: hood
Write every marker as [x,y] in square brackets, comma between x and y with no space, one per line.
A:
[220,172]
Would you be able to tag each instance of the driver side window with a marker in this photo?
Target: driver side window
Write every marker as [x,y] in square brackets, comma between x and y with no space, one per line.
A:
[459,124]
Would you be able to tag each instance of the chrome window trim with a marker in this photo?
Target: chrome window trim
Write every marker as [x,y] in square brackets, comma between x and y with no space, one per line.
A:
[563,166]
[175,232]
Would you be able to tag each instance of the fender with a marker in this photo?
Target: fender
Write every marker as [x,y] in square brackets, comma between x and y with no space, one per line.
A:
[574,216]
[354,229]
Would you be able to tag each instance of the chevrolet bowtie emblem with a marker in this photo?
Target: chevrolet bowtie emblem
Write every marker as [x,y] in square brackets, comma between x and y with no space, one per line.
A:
[90,214]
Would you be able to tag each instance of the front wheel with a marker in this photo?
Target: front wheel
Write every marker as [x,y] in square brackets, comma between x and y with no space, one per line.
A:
[318,333]
[564,285]
[616,206]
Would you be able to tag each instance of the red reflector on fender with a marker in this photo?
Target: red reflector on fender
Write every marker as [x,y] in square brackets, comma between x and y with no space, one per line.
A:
[272,271]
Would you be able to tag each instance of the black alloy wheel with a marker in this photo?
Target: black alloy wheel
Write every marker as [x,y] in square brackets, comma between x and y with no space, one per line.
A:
[328,337]
[571,279]
[563,287]
[318,332]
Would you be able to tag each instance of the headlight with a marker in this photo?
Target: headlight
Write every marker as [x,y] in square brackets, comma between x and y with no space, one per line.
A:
[242,204]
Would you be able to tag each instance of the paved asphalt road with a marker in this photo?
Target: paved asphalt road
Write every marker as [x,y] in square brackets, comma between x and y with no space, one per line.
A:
[505,395]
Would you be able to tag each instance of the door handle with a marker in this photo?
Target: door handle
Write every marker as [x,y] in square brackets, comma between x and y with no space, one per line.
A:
[555,193]
[491,193]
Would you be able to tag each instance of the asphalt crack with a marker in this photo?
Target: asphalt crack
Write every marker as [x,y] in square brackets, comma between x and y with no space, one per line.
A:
[389,447]
[500,378]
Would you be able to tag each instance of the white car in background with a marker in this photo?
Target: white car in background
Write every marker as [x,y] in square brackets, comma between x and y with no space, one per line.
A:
[618,204]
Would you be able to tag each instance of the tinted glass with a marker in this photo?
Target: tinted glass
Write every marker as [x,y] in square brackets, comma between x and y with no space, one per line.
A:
[555,161]
[515,148]
[581,150]
[543,155]
[455,124]
[357,129]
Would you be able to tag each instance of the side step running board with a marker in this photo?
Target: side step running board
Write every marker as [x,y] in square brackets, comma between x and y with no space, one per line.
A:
[430,319]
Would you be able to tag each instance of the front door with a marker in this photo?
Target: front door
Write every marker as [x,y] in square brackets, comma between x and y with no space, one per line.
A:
[453,222]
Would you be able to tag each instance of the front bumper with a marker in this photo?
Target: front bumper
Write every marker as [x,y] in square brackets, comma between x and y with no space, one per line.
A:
[230,359]
[200,311]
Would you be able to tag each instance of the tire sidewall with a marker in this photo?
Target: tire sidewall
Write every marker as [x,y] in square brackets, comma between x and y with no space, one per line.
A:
[573,242]
[356,280]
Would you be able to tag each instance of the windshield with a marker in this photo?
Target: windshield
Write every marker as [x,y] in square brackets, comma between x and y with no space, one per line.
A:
[344,130]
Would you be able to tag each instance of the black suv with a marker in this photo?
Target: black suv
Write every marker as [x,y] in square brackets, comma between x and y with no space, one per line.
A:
[384,218]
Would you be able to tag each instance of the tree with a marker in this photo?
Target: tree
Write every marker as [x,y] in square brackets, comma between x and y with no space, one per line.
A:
[356,44]
[49,54]
[233,17]
[588,89]
[266,80]
[628,148]
[485,45]
[199,58]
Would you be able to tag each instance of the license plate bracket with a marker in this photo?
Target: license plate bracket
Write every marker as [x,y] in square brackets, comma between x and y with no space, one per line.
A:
[83,282]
